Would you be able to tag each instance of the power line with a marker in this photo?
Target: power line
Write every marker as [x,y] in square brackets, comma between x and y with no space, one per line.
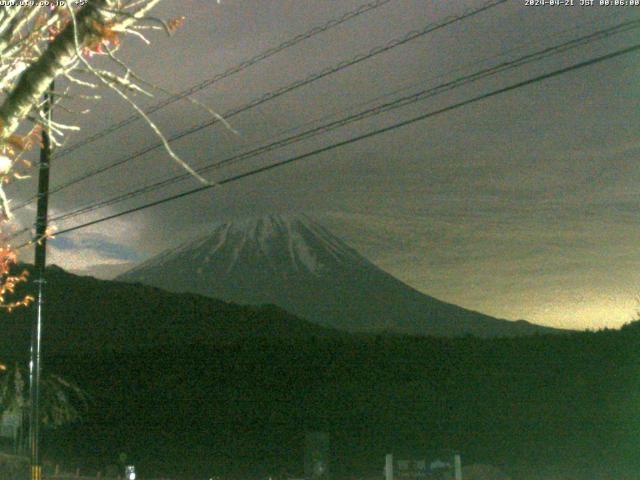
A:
[413,35]
[358,138]
[228,73]
[400,102]
[381,108]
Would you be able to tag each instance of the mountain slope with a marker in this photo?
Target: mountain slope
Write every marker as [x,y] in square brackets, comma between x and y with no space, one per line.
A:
[297,264]
[86,314]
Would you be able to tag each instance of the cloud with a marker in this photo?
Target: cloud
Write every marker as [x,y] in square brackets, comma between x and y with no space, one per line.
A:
[109,249]
[62,243]
[103,250]
[91,256]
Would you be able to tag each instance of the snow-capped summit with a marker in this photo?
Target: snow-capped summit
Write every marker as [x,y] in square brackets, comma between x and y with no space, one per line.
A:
[297,264]
[277,244]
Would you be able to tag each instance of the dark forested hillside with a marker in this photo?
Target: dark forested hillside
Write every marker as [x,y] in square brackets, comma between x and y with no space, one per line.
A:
[535,406]
[89,315]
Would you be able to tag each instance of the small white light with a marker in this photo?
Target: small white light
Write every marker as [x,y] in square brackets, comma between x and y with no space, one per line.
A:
[130,471]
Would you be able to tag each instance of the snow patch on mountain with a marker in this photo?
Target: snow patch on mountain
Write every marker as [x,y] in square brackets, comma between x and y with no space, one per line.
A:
[308,246]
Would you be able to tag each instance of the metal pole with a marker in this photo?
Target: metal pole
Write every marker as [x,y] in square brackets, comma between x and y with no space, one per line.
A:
[40,263]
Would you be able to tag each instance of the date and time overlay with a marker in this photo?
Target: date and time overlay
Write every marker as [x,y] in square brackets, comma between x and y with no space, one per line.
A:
[581,3]
[43,3]
[527,3]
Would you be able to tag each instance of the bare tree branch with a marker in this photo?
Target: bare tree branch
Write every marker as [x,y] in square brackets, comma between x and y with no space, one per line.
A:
[91,21]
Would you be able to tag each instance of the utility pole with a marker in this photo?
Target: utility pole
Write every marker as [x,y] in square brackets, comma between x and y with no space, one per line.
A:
[40,263]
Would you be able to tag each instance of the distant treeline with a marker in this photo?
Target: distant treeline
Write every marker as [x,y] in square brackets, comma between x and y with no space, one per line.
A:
[535,406]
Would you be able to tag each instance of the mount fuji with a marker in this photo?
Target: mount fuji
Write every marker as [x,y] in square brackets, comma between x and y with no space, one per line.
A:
[297,264]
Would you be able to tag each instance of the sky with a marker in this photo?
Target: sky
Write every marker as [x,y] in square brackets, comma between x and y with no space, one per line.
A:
[522,206]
